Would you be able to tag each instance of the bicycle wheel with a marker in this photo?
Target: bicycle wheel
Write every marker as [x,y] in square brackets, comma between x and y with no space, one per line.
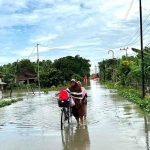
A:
[69,115]
[63,115]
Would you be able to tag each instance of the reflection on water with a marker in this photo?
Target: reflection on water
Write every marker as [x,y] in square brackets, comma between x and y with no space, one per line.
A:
[146,131]
[110,119]
[77,139]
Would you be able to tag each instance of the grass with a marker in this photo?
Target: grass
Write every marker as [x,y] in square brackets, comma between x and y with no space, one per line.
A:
[135,97]
[9,102]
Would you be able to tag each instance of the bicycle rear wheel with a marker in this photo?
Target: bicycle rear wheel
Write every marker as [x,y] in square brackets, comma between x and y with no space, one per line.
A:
[69,115]
[63,115]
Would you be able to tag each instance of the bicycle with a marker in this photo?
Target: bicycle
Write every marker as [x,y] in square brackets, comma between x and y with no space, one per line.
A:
[66,115]
[65,101]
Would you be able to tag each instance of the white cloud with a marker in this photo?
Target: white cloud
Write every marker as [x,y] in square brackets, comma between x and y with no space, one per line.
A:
[110,6]
[59,28]
[43,39]
[86,23]
[70,27]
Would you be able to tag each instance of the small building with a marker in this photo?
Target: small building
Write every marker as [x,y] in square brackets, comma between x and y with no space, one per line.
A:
[26,76]
[1,86]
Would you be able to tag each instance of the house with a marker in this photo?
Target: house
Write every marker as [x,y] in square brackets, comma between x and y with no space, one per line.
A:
[26,76]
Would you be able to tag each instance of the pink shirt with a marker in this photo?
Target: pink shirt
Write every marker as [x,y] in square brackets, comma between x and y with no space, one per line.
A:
[83,91]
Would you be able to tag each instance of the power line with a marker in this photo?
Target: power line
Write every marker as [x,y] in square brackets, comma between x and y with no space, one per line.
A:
[101,50]
[139,35]
[138,29]
[128,11]
[132,44]
[120,53]
[148,45]
[63,49]
[125,50]
[137,40]
[32,51]
[146,18]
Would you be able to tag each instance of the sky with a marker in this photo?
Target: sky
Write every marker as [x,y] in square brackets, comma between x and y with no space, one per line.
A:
[93,29]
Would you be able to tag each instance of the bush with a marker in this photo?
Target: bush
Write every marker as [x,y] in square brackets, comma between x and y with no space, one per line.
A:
[118,85]
[135,97]
[9,102]
[45,91]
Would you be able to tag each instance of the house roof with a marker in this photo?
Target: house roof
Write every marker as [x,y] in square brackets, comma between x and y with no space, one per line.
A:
[23,79]
[26,73]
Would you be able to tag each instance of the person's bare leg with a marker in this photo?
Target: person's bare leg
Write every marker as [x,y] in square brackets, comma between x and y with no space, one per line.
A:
[77,118]
[85,109]
[81,119]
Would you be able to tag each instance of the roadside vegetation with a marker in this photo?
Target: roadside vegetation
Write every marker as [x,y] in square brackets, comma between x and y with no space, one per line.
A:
[124,75]
[131,95]
[4,103]
[52,75]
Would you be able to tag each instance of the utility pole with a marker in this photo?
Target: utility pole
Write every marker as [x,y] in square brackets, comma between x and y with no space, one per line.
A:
[38,74]
[142,62]
[104,69]
[13,79]
[113,65]
[125,50]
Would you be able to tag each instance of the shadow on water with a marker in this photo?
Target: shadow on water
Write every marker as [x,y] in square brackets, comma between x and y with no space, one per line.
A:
[75,139]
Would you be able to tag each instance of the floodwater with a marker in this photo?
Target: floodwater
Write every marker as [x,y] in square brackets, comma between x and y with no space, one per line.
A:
[112,124]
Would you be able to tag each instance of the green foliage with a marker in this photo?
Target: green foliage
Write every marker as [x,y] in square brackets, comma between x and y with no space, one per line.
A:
[51,77]
[9,102]
[71,66]
[109,85]
[45,91]
[22,86]
[128,76]
[107,68]
[132,96]
[122,72]
[126,71]
[53,86]
[146,56]
[25,63]
[57,73]
[77,77]
[135,97]
[118,85]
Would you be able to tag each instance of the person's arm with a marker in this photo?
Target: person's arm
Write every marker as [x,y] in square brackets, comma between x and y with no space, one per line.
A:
[86,95]
[68,90]
[56,94]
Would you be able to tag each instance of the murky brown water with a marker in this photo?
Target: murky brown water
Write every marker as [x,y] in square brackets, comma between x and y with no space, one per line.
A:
[112,124]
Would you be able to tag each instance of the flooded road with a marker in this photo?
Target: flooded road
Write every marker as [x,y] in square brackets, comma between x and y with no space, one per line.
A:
[112,124]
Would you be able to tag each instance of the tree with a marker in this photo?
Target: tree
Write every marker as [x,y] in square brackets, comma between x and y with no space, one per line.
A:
[72,65]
